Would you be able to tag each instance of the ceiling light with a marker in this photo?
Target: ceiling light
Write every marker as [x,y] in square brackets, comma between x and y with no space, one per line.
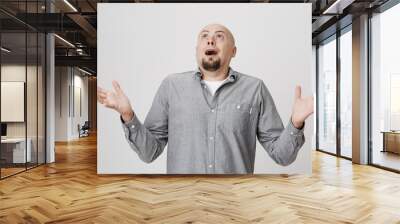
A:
[84,71]
[70,5]
[65,41]
[338,6]
[5,50]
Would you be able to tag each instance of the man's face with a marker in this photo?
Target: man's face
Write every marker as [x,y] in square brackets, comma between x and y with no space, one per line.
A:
[215,47]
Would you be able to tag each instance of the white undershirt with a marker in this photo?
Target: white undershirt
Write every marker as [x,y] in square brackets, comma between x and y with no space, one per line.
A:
[214,85]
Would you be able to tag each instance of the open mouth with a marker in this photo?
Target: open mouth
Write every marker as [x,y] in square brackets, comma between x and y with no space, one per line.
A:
[211,52]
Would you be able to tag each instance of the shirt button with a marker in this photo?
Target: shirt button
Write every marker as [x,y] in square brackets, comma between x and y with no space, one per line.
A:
[210,166]
[213,110]
[238,107]
[132,126]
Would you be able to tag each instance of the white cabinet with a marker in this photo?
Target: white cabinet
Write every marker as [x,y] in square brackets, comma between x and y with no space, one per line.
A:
[18,149]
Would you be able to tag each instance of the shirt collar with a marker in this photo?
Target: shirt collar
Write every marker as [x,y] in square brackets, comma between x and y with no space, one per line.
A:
[232,74]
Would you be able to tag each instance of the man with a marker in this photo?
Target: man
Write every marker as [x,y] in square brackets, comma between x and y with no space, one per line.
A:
[211,117]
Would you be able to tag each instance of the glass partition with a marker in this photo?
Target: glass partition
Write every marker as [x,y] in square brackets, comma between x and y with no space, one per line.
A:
[41,96]
[13,103]
[22,77]
[31,100]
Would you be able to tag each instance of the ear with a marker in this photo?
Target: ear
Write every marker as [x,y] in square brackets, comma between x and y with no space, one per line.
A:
[234,51]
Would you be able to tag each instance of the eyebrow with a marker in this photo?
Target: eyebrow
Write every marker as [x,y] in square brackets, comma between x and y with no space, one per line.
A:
[218,31]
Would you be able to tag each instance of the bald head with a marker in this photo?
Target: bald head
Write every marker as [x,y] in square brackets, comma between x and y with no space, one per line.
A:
[215,47]
[217,26]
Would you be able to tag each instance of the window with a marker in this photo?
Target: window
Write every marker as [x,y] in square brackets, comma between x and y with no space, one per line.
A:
[385,89]
[346,93]
[327,96]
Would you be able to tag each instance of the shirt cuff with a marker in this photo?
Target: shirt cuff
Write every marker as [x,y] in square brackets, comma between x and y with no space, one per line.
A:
[131,125]
[295,131]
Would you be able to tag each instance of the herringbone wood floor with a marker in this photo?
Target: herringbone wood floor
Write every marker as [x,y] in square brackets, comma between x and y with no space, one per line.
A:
[70,191]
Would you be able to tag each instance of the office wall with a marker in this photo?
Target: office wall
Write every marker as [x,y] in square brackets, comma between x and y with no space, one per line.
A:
[71,102]
[80,104]
[15,72]
[62,80]
[92,109]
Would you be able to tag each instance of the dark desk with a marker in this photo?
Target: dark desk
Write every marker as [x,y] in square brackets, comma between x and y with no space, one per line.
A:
[391,141]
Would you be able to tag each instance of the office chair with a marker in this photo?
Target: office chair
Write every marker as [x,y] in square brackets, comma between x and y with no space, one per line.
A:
[84,130]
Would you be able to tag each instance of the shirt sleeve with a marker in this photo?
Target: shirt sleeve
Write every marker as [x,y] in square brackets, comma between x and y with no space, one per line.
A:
[282,144]
[149,139]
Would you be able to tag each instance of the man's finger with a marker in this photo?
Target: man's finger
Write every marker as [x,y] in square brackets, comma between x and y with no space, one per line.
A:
[102,94]
[101,99]
[100,90]
[297,92]
[116,86]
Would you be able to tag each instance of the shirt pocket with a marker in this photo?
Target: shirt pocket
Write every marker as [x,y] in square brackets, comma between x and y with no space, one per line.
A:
[237,117]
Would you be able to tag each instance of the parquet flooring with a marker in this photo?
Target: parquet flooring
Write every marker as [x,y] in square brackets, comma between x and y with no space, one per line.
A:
[10,171]
[70,191]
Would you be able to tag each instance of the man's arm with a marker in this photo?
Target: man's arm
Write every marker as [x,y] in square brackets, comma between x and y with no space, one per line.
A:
[148,140]
[282,144]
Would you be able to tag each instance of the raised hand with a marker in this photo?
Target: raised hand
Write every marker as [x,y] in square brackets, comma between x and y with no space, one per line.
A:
[116,100]
[302,108]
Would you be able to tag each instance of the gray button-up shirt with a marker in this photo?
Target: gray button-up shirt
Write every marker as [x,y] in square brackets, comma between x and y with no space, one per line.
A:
[212,134]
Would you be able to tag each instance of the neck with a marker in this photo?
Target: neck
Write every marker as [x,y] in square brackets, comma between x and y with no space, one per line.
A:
[218,75]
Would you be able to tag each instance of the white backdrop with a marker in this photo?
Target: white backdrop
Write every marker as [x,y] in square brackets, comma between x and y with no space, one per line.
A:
[139,44]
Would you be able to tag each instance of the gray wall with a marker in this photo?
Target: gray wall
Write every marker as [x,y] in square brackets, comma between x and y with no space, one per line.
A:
[70,84]
[141,56]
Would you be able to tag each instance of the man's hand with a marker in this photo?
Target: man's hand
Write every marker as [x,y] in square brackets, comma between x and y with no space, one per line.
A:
[302,108]
[116,100]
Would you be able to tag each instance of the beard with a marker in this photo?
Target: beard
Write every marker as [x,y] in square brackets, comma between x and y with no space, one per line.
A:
[211,66]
